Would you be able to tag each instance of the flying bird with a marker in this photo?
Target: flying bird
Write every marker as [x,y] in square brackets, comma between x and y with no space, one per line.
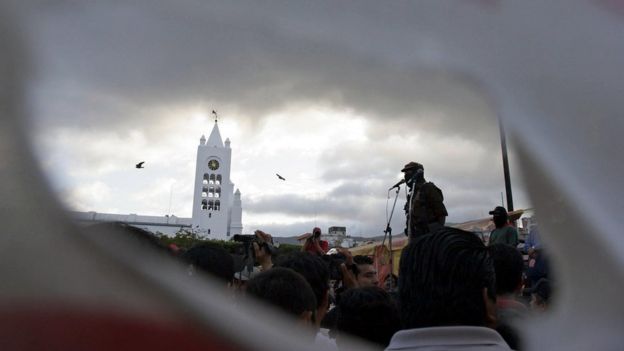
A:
[280,177]
[140,164]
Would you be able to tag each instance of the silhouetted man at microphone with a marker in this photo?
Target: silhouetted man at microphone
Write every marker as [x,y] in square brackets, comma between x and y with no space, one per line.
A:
[424,208]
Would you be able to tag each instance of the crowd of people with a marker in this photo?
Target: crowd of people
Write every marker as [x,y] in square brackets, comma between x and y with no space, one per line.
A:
[453,292]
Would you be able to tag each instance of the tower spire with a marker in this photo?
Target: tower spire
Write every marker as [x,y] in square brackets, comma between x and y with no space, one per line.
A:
[215,136]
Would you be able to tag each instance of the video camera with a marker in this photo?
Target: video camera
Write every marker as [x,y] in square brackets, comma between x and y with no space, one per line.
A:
[244,238]
[250,254]
[248,239]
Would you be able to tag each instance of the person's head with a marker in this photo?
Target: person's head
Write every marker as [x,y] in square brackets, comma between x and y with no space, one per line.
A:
[211,259]
[364,270]
[285,289]
[508,265]
[262,251]
[540,295]
[499,216]
[368,313]
[413,169]
[446,279]
[263,247]
[316,232]
[316,273]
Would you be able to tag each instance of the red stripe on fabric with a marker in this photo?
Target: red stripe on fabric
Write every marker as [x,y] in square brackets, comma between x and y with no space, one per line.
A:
[73,328]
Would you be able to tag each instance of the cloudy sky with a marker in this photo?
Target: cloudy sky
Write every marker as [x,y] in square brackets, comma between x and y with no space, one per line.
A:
[332,96]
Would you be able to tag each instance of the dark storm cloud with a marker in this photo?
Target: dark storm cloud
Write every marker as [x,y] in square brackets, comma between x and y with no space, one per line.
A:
[449,159]
[297,205]
[367,206]
[255,57]
[116,66]
[277,230]
[355,189]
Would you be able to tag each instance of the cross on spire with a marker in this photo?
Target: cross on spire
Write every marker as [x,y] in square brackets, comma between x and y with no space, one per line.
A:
[215,114]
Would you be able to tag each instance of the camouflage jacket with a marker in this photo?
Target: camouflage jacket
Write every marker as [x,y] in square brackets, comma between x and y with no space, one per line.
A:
[427,207]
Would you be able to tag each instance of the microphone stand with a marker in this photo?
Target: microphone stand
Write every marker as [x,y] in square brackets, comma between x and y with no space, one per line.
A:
[388,231]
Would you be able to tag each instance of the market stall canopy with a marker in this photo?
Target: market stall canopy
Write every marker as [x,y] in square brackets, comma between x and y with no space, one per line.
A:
[380,250]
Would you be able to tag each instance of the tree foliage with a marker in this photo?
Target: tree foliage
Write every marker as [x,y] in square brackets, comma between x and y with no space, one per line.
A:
[185,239]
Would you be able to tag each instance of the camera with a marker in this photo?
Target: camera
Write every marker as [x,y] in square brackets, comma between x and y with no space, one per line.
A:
[244,238]
[248,239]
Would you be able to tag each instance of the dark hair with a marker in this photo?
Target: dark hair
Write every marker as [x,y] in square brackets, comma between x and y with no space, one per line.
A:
[316,231]
[312,268]
[368,313]
[360,259]
[283,288]
[211,259]
[441,280]
[508,265]
[542,290]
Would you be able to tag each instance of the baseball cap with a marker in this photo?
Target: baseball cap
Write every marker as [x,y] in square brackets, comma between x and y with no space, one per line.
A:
[499,211]
[412,165]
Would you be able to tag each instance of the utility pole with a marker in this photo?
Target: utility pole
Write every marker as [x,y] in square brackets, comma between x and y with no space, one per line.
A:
[505,166]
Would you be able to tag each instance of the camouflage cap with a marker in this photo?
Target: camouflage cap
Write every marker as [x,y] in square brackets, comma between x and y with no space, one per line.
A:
[499,211]
[412,165]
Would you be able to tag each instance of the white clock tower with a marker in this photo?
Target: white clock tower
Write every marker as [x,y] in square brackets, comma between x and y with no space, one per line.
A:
[214,205]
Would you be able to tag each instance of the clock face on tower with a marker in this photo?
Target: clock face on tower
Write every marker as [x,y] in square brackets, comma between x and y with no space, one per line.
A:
[213,165]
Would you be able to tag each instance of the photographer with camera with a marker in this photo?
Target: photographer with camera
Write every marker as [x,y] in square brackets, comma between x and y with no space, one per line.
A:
[350,273]
[258,249]
[353,271]
[263,250]
[314,244]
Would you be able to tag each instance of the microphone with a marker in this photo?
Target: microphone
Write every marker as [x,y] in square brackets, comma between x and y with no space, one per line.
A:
[397,184]
[411,180]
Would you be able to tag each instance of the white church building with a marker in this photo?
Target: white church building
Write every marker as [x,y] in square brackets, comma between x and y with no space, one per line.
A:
[217,208]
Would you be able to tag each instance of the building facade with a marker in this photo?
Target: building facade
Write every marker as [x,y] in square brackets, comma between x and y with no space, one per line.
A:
[217,209]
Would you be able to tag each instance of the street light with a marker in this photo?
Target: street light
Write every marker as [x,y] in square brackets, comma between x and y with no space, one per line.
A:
[505,166]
